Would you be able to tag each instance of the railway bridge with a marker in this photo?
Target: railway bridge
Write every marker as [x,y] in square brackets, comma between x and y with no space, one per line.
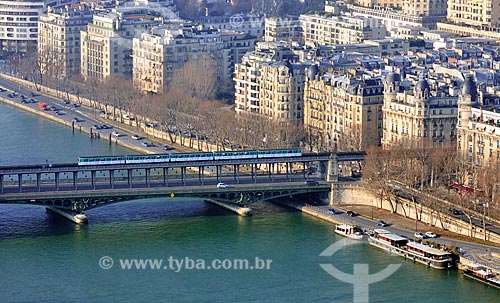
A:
[79,187]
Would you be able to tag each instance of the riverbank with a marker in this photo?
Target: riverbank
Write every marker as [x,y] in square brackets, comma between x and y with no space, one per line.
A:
[478,251]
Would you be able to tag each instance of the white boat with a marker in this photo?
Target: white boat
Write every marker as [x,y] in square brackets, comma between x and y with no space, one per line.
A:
[388,241]
[433,257]
[482,274]
[349,231]
[417,252]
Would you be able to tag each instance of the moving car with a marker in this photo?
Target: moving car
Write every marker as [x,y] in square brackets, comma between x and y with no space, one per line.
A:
[222,185]
[115,134]
[311,182]
[136,137]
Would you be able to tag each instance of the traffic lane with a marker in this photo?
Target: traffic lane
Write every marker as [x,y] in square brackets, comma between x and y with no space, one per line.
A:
[139,182]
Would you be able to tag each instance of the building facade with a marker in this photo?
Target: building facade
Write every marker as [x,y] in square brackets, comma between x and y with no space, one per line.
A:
[106,45]
[247,76]
[478,141]
[417,114]
[474,12]
[343,112]
[251,24]
[158,53]
[281,91]
[19,23]
[323,30]
[59,39]
[283,29]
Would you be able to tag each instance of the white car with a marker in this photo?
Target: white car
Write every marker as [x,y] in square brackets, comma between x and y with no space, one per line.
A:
[419,236]
[116,134]
[222,185]
[136,137]
[430,234]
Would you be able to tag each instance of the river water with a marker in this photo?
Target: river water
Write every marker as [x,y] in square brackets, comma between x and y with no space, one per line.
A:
[48,259]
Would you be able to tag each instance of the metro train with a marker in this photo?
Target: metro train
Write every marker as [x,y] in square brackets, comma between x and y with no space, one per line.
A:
[199,156]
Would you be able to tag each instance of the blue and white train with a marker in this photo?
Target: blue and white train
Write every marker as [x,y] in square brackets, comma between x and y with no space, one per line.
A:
[201,156]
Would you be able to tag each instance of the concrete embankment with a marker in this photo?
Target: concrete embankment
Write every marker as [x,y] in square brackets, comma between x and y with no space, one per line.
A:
[242,211]
[314,211]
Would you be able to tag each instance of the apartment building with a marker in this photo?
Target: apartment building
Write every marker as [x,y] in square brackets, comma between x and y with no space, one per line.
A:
[19,23]
[424,8]
[247,75]
[59,39]
[283,29]
[159,52]
[281,91]
[252,24]
[324,30]
[342,112]
[474,12]
[106,45]
[478,131]
[415,112]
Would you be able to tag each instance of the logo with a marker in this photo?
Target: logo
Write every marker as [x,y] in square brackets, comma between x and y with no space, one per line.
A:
[236,20]
[360,277]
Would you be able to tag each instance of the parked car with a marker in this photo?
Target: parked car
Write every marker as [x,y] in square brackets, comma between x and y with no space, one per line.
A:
[115,134]
[381,223]
[146,144]
[350,213]
[430,234]
[222,185]
[419,236]
[332,211]
[311,182]
[136,137]
[166,147]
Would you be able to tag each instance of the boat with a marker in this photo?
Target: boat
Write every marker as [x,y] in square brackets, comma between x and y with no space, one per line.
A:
[430,256]
[482,274]
[417,252]
[349,231]
[388,241]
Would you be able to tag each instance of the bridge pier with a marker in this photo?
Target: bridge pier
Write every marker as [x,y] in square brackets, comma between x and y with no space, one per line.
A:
[242,211]
[92,178]
[20,181]
[129,179]
[75,180]
[1,184]
[112,178]
[165,176]
[183,175]
[333,169]
[201,172]
[148,177]
[56,176]
[254,172]
[217,168]
[236,173]
[39,181]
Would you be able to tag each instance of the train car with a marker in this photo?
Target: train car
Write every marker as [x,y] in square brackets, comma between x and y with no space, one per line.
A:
[279,153]
[179,157]
[105,160]
[240,154]
[156,158]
